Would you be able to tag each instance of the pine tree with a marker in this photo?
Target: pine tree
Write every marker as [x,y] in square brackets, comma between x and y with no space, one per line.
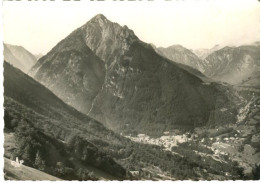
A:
[256,172]
[26,153]
[39,162]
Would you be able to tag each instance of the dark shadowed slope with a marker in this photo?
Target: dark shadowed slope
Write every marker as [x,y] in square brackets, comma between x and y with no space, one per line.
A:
[145,93]
[32,110]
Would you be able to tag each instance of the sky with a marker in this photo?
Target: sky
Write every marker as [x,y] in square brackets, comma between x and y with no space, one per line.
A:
[39,26]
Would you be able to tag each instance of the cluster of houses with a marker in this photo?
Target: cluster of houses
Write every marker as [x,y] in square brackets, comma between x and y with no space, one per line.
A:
[219,140]
[167,141]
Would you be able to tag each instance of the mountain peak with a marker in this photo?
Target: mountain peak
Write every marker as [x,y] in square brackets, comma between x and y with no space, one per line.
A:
[105,37]
[177,46]
[19,57]
[99,20]
[216,47]
[99,16]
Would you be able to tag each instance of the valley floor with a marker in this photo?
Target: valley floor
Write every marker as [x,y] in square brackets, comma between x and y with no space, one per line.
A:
[238,142]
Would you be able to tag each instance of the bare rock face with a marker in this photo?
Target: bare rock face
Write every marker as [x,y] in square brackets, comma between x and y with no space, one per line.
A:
[106,39]
[179,54]
[233,64]
[19,57]
[105,71]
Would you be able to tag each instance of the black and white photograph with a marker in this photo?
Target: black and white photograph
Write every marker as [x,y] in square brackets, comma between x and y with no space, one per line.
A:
[130,90]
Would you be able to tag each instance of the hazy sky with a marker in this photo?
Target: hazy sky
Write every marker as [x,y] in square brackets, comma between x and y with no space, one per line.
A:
[38,26]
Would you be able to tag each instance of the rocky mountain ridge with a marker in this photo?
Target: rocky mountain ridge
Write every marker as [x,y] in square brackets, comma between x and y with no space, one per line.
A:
[202,53]
[104,70]
[233,64]
[179,54]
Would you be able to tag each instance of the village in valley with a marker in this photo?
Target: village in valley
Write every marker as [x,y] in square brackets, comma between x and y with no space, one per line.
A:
[219,148]
[231,142]
[167,141]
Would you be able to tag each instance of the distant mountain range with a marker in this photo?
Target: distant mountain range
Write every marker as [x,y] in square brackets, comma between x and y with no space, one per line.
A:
[19,57]
[104,70]
[179,54]
[202,53]
[234,64]
[38,56]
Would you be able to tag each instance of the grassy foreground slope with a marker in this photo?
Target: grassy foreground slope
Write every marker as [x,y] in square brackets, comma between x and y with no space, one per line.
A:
[25,173]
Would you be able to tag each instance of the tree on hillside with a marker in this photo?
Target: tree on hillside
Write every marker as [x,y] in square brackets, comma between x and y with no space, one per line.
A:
[39,162]
[26,153]
[256,172]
